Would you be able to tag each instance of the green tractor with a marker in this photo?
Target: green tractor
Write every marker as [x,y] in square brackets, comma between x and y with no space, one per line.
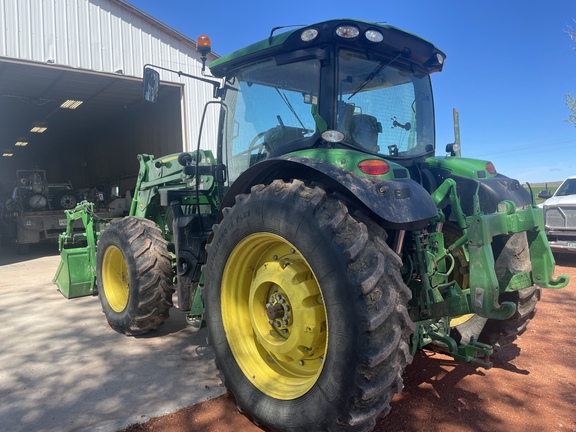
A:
[326,242]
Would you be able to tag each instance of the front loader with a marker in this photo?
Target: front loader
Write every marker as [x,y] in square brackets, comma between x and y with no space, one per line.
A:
[133,263]
[332,242]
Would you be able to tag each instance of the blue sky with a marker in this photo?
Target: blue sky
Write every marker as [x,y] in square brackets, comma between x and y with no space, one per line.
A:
[509,65]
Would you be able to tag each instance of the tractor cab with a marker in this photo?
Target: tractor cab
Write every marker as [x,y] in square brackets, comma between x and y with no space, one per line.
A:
[334,85]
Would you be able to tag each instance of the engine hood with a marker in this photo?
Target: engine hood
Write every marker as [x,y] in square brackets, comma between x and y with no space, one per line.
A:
[561,200]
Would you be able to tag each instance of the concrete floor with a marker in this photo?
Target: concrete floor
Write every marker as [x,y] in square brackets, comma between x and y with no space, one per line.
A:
[62,368]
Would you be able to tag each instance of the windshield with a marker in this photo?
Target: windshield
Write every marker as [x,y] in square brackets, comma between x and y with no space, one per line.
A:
[270,107]
[382,108]
[567,188]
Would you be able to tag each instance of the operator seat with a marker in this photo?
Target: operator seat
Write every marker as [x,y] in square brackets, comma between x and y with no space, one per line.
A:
[364,131]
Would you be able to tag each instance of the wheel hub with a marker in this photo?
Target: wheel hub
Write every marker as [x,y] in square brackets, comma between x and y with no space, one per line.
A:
[289,299]
[274,310]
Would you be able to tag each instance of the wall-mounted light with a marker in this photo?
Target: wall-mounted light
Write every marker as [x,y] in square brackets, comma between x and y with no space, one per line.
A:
[21,144]
[7,154]
[38,129]
[71,104]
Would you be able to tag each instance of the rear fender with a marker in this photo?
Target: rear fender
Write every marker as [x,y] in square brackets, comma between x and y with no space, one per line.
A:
[471,175]
[401,204]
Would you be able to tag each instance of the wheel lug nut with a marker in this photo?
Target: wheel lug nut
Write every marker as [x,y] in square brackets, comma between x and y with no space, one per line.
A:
[301,362]
[287,308]
[285,322]
[281,301]
[271,321]
[277,323]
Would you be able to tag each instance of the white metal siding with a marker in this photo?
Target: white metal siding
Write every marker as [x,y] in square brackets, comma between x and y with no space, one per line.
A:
[103,36]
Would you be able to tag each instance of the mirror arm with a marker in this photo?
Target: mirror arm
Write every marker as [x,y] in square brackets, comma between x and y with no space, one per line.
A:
[216,84]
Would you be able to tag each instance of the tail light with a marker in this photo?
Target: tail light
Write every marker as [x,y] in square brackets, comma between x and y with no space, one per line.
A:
[374,167]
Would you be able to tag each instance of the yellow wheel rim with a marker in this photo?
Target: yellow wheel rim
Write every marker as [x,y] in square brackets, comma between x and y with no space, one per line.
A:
[460,319]
[274,316]
[115,279]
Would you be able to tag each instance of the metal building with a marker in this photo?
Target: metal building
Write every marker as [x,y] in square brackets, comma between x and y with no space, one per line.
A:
[56,52]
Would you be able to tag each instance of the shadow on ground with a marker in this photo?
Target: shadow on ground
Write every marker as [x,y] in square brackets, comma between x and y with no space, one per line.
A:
[63,369]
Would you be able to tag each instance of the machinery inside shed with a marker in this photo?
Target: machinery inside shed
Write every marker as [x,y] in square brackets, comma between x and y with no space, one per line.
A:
[79,128]
[94,144]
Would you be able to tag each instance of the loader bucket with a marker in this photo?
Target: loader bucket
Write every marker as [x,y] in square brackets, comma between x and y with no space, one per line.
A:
[75,276]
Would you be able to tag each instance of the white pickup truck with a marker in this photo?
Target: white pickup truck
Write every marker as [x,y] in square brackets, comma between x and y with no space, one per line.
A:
[560,216]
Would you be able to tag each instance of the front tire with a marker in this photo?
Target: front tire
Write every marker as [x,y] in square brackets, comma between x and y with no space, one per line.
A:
[306,310]
[134,275]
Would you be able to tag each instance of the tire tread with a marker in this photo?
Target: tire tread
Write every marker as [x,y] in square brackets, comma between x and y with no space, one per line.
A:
[154,274]
[379,295]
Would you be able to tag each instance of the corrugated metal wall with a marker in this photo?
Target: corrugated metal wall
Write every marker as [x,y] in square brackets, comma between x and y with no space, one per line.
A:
[105,36]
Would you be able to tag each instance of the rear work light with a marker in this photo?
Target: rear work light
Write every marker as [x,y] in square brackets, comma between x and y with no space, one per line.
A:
[332,136]
[347,32]
[374,36]
[373,167]
[309,35]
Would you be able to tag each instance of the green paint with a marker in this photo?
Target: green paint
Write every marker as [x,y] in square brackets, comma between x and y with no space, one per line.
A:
[464,167]
[76,274]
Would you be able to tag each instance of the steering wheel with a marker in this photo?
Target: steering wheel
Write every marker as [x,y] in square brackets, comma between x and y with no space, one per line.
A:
[254,145]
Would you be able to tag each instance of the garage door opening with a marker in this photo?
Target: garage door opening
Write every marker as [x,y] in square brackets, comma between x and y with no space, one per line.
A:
[95,143]
[80,128]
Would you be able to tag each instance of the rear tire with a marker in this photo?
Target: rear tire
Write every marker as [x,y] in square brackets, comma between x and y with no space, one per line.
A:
[511,256]
[134,275]
[319,343]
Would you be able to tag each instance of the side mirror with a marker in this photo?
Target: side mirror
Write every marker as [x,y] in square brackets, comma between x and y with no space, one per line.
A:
[151,84]
[545,194]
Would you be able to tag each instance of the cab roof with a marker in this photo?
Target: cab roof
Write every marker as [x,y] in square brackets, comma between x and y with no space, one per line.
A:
[418,52]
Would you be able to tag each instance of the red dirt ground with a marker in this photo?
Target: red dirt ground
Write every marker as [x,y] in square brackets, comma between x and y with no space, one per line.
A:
[532,386]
